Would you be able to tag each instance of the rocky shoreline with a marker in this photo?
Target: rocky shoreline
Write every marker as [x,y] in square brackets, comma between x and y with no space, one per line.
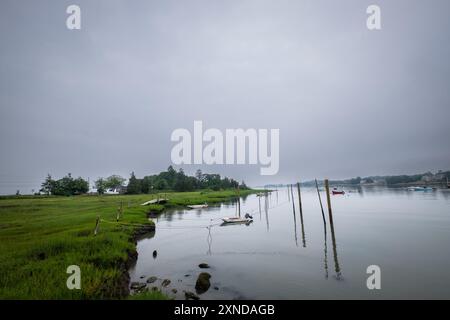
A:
[124,281]
[202,284]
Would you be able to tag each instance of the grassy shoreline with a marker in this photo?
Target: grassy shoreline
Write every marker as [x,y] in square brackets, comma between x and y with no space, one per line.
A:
[41,236]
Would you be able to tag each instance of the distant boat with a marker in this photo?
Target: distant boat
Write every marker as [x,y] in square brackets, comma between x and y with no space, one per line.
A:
[336,191]
[421,189]
[198,206]
[236,220]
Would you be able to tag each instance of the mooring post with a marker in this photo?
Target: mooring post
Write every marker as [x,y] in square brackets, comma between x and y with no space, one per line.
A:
[299,198]
[333,236]
[97,222]
[320,201]
[327,188]
[293,202]
[239,201]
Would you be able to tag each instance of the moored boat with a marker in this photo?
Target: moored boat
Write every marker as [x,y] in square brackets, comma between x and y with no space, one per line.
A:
[198,206]
[236,220]
[336,191]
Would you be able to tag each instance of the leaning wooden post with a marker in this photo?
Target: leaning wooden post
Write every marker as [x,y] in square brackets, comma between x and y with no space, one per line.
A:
[299,198]
[330,214]
[97,223]
[320,201]
[293,202]
[333,236]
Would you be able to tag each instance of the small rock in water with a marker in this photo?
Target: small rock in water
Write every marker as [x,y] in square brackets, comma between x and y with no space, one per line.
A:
[155,254]
[190,295]
[216,288]
[165,282]
[203,265]
[142,277]
[137,285]
[202,285]
[152,279]
[174,290]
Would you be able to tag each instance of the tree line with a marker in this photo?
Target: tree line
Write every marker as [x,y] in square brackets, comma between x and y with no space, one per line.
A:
[163,181]
[179,181]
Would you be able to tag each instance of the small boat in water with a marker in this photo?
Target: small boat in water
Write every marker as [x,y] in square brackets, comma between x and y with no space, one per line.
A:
[236,220]
[421,189]
[336,191]
[198,206]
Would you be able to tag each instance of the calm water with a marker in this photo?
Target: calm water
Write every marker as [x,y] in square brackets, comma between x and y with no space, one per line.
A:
[406,233]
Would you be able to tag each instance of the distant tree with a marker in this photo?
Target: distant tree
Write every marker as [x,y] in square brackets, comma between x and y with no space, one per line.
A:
[79,186]
[134,185]
[47,185]
[66,186]
[161,184]
[100,185]
[114,182]
[243,186]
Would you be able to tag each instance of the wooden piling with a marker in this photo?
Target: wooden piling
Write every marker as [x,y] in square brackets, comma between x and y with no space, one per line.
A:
[239,201]
[320,201]
[330,213]
[97,223]
[337,267]
[301,215]
[119,211]
[299,198]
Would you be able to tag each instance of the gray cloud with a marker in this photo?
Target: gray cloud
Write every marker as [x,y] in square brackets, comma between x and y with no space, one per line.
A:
[105,99]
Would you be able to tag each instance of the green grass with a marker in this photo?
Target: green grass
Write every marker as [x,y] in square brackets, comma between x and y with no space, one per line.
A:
[41,236]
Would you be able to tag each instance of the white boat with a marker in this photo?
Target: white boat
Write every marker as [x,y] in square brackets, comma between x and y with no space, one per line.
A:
[198,206]
[236,220]
[154,201]
[421,189]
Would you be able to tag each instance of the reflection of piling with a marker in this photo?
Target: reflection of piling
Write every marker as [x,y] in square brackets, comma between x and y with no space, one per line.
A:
[325,259]
[320,201]
[266,210]
[295,228]
[301,215]
[333,237]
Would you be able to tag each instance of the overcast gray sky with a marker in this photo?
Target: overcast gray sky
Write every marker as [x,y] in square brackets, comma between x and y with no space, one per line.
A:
[105,99]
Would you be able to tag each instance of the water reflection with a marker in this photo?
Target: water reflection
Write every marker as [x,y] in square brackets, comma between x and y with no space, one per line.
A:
[337,268]
[209,240]
[266,209]
[325,249]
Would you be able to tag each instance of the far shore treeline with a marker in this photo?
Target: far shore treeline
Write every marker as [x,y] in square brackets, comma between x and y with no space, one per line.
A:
[164,181]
